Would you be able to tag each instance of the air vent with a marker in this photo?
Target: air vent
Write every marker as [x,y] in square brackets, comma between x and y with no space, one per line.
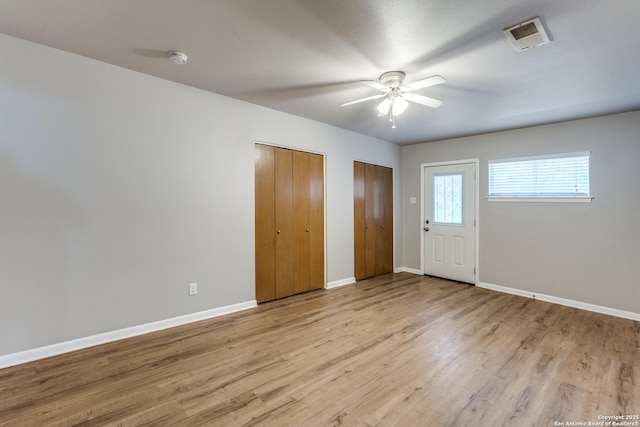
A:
[527,34]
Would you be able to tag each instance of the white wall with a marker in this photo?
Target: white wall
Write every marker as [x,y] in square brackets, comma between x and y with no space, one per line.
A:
[118,189]
[585,252]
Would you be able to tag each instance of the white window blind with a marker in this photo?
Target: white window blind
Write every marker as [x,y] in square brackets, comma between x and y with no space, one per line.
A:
[562,176]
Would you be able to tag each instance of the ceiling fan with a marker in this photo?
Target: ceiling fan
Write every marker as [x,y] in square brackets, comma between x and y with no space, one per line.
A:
[396,94]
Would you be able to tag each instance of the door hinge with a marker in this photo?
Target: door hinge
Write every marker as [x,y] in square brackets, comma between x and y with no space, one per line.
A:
[474,271]
[474,222]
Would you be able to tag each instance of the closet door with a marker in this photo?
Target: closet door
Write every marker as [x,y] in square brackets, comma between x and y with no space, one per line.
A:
[373,220]
[371,212]
[265,223]
[316,221]
[301,230]
[384,220]
[289,222]
[284,258]
[308,221]
[358,220]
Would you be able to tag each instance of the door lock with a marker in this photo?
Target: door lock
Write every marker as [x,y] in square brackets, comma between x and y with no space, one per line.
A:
[426,229]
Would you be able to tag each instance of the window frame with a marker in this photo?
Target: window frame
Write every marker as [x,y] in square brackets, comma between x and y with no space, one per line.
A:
[543,198]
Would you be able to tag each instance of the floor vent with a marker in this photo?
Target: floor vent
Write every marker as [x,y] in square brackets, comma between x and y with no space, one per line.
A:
[527,34]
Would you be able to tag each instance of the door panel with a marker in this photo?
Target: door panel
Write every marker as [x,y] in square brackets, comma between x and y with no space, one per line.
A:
[284,222]
[301,249]
[449,228]
[437,254]
[316,221]
[370,235]
[458,250]
[384,247]
[265,223]
[359,235]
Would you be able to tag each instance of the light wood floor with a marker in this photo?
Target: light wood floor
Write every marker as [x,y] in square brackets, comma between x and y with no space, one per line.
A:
[396,350]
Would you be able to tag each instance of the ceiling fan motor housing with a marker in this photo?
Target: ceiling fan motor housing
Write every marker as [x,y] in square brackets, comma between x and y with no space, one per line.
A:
[392,79]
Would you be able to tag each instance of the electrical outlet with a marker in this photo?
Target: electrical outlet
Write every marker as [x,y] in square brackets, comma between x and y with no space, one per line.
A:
[193,289]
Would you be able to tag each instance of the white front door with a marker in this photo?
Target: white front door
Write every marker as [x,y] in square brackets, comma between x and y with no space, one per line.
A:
[449,221]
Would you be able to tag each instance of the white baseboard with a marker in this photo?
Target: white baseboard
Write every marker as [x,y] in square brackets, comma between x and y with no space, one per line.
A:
[338,283]
[407,270]
[81,343]
[563,301]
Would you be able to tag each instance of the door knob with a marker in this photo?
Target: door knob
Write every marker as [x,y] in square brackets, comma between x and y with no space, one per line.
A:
[307,230]
[426,229]
[278,231]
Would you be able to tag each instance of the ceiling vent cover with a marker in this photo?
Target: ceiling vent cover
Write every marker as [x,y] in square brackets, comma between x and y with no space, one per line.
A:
[527,34]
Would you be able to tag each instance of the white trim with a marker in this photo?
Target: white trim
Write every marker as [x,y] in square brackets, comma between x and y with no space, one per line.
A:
[90,341]
[407,270]
[562,301]
[542,157]
[476,163]
[541,199]
[339,283]
[449,163]
[387,165]
[290,147]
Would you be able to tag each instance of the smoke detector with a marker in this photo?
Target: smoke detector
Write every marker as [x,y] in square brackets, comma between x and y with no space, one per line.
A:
[527,34]
[178,58]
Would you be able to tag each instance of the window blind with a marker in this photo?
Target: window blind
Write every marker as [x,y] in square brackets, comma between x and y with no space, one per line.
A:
[556,176]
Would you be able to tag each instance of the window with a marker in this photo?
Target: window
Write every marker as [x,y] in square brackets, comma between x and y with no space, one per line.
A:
[561,177]
[447,199]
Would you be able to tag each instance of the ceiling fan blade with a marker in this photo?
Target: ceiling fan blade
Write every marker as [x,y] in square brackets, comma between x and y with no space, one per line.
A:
[363,99]
[429,81]
[423,100]
[376,85]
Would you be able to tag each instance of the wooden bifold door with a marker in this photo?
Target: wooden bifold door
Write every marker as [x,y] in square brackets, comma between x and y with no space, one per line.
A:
[289,222]
[373,219]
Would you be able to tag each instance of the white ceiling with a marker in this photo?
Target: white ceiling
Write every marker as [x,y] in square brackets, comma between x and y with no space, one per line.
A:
[306,57]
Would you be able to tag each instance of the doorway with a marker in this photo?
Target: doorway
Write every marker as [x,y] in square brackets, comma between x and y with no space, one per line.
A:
[449,239]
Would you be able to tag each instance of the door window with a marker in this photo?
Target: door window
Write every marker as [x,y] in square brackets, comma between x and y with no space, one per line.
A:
[447,199]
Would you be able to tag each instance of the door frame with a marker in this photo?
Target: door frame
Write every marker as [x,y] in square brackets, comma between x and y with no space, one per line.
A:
[423,168]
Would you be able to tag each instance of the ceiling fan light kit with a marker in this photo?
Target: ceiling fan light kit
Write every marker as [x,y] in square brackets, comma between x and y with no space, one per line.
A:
[397,95]
[399,106]
[394,102]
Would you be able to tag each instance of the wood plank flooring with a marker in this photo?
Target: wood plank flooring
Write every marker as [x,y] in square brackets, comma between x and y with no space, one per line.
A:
[394,350]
